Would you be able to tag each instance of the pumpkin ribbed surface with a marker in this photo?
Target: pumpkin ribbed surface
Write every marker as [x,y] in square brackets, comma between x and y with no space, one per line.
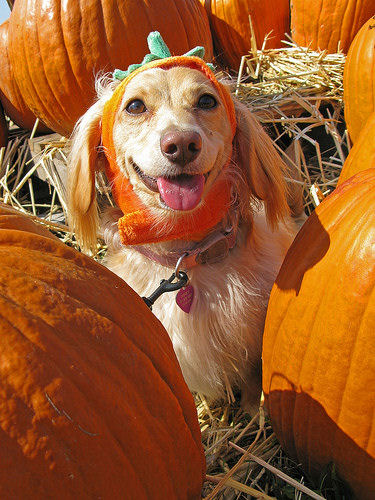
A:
[57,47]
[229,20]
[319,343]
[359,80]
[362,154]
[14,105]
[328,25]
[92,400]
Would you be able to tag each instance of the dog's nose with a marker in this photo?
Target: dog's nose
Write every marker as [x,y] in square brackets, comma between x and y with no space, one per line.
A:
[181,147]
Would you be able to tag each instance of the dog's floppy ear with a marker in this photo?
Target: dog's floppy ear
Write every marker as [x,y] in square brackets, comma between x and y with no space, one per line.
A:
[84,160]
[261,164]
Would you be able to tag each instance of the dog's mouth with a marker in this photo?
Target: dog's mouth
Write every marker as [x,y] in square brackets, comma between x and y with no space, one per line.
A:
[180,192]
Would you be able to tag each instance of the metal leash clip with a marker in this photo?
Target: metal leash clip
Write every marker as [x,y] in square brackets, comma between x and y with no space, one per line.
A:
[169,285]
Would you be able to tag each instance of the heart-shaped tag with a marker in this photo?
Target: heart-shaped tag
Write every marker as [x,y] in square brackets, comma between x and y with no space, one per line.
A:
[185,297]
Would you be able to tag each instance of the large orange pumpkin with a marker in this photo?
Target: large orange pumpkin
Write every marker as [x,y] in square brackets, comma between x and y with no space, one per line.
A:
[319,342]
[362,154]
[229,20]
[11,98]
[92,399]
[359,79]
[57,47]
[328,24]
[3,129]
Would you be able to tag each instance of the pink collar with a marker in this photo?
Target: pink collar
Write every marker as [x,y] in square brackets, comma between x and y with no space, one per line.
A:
[213,248]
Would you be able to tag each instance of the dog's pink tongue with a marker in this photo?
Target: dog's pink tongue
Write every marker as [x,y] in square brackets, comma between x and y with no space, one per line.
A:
[183,192]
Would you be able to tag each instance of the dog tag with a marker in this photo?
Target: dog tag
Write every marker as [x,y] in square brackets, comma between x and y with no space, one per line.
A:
[185,297]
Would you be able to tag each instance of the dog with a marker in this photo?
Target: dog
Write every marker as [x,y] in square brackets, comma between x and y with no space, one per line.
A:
[173,143]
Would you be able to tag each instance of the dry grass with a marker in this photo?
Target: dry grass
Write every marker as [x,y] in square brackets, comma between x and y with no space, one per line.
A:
[44,202]
[245,460]
[297,95]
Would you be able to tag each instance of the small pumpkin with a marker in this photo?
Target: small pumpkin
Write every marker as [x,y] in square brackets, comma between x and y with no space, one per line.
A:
[3,128]
[362,154]
[359,80]
[230,27]
[57,47]
[328,24]
[10,96]
[92,402]
[319,343]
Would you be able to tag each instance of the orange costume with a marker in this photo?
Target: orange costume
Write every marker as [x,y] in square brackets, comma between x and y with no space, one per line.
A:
[138,225]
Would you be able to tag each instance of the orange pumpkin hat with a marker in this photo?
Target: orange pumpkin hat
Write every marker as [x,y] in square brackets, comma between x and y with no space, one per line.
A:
[138,225]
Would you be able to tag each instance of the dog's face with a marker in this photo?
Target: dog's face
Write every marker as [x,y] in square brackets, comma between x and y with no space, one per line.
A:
[172,137]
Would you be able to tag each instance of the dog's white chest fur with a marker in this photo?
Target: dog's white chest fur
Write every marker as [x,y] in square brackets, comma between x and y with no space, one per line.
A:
[218,343]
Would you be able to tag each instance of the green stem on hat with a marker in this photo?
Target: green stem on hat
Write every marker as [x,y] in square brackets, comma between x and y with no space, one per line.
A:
[158,50]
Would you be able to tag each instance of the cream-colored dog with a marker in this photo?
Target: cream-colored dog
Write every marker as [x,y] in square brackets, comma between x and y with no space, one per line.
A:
[172,140]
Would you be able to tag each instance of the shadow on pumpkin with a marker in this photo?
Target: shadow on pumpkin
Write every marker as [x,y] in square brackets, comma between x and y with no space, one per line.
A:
[308,248]
[226,54]
[307,434]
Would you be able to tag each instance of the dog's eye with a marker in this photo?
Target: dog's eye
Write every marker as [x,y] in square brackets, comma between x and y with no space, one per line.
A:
[207,101]
[136,107]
